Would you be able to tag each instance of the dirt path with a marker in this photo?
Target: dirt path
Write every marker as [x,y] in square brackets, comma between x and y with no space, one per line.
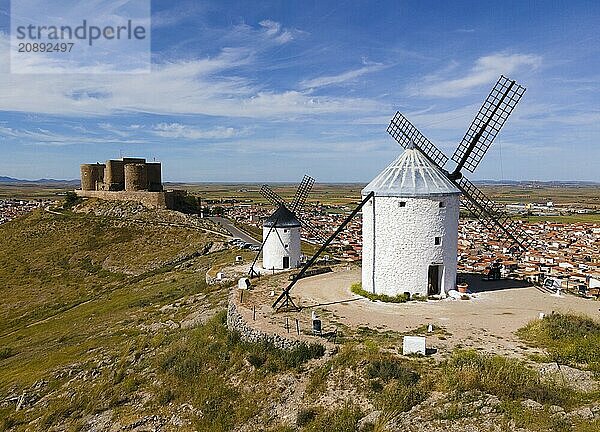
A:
[488,321]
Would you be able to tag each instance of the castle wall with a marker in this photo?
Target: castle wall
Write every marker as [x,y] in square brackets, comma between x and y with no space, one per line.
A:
[114,180]
[155,200]
[130,174]
[127,160]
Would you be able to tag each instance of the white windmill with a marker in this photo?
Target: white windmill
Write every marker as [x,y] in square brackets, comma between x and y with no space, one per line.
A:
[410,223]
[281,240]
[410,228]
[410,210]
[281,246]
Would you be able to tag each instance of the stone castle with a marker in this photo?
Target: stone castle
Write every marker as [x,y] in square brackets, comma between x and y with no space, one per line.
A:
[127,179]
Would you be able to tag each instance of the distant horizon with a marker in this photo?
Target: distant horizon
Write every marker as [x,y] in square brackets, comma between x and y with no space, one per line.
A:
[5,179]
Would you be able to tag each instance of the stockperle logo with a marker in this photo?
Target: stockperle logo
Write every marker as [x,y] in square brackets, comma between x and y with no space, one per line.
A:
[109,36]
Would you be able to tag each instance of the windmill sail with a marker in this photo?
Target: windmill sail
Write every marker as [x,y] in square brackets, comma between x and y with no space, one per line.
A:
[406,135]
[271,196]
[491,215]
[316,233]
[487,123]
[286,217]
[302,193]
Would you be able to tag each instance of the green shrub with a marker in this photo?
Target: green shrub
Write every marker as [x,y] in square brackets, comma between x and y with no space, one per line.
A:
[568,339]
[504,377]
[387,369]
[71,199]
[317,381]
[6,352]
[376,386]
[454,412]
[357,289]
[273,359]
[165,395]
[257,360]
[302,354]
[348,355]
[187,204]
[305,416]
[398,397]
[343,419]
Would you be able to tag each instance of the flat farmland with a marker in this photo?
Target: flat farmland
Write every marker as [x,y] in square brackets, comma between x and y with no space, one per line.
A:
[347,194]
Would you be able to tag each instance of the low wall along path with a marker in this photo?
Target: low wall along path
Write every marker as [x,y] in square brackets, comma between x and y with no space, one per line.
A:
[240,319]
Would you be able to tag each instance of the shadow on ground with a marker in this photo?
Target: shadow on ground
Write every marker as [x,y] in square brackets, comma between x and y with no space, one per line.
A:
[478,284]
[317,305]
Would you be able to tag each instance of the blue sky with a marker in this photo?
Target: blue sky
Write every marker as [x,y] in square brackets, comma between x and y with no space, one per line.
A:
[268,91]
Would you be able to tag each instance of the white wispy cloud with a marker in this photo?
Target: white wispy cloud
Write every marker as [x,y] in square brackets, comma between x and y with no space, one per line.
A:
[178,130]
[41,136]
[343,77]
[274,29]
[485,70]
[205,86]
[176,14]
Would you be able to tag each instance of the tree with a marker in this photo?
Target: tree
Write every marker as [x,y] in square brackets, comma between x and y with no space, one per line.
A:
[71,199]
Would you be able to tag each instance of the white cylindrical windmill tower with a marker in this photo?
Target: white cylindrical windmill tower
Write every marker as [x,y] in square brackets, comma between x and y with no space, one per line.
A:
[410,229]
[281,240]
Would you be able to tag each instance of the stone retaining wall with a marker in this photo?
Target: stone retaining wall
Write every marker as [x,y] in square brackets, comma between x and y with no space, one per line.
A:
[236,322]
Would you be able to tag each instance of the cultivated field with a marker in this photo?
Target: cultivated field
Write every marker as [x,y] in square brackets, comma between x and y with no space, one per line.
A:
[333,194]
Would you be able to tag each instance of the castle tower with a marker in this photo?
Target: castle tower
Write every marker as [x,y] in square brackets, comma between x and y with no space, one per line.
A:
[153,171]
[410,229]
[281,238]
[136,178]
[91,176]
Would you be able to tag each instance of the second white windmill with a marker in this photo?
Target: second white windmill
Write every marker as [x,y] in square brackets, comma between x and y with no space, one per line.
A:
[281,245]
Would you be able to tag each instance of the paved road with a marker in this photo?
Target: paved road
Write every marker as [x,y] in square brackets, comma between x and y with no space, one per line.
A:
[235,231]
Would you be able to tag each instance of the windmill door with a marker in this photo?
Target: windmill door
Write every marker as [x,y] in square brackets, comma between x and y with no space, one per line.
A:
[434,279]
[286,262]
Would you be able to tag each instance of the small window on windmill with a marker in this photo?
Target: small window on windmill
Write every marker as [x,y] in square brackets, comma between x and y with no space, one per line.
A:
[285,246]
[437,241]
[402,204]
[442,204]
[285,230]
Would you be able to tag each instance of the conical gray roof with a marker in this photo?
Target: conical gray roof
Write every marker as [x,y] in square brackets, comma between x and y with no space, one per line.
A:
[411,175]
[282,218]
